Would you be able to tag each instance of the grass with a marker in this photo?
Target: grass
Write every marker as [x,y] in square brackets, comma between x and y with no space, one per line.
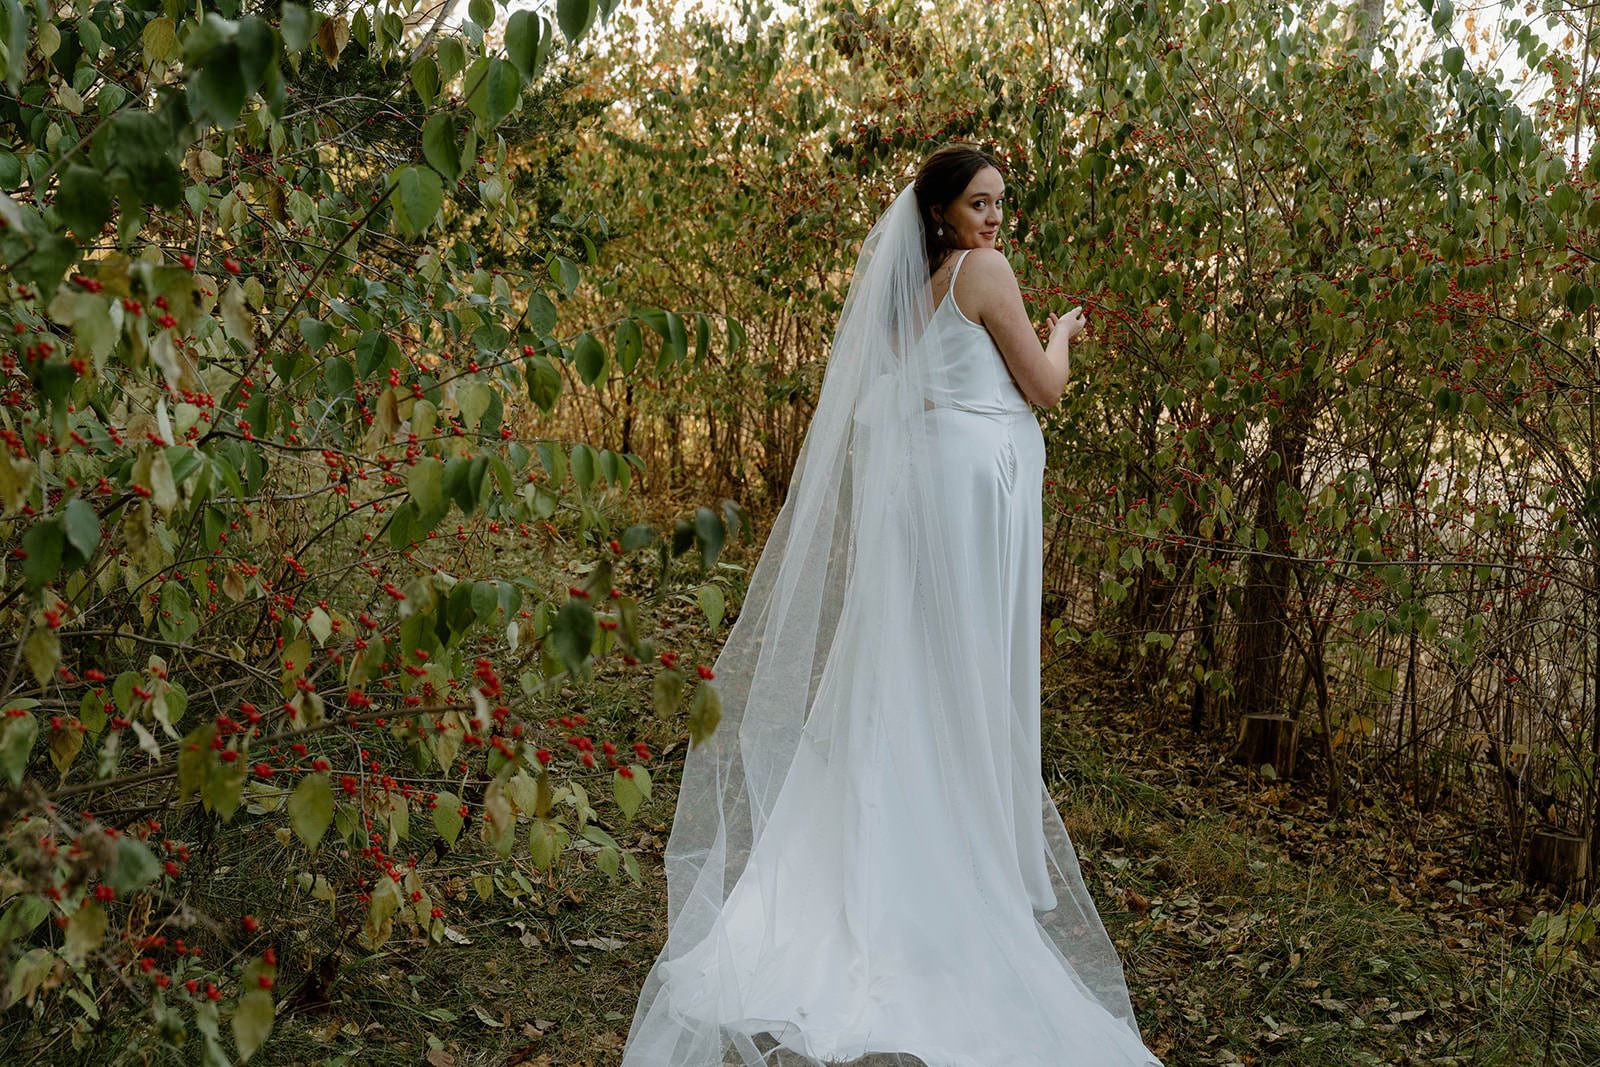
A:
[1252,932]
[1255,931]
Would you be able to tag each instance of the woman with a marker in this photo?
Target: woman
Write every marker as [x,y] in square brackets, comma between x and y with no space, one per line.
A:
[865,864]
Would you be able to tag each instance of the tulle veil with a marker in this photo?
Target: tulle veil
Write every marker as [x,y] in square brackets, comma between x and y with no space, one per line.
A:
[855,576]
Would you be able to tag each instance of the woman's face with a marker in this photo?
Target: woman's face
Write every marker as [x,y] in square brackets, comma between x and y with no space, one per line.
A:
[974,216]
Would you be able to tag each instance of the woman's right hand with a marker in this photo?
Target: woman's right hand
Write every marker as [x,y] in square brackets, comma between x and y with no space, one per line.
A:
[1073,322]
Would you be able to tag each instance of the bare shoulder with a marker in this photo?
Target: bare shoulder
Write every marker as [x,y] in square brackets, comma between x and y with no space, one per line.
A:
[989,265]
[987,287]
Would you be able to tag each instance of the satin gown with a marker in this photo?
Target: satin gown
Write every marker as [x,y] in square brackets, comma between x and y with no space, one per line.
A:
[903,895]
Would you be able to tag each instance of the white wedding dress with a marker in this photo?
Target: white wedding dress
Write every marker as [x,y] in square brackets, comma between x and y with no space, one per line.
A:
[909,890]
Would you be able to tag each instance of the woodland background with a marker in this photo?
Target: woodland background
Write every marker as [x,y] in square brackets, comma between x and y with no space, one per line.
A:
[397,395]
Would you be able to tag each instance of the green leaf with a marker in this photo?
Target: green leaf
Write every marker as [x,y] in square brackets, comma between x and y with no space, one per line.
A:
[16,43]
[705,711]
[702,336]
[674,343]
[16,743]
[1580,298]
[546,839]
[544,382]
[42,543]
[452,55]
[627,794]
[316,332]
[615,469]
[630,343]
[178,618]
[439,146]
[22,916]
[252,1021]
[463,481]
[372,351]
[495,87]
[1454,57]
[418,197]
[141,145]
[630,863]
[425,80]
[83,527]
[712,603]
[564,273]
[523,31]
[228,62]
[474,399]
[607,860]
[133,866]
[295,26]
[425,484]
[637,536]
[485,600]
[583,466]
[447,817]
[666,690]
[575,17]
[573,633]
[590,358]
[311,809]
[194,760]
[708,529]
[83,201]
[598,836]
[481,12]
[258,47]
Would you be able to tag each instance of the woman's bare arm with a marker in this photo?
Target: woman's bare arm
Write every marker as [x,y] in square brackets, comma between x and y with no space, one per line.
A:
[988,293]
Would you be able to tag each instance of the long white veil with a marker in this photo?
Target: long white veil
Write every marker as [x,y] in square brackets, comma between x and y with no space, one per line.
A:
[859,615]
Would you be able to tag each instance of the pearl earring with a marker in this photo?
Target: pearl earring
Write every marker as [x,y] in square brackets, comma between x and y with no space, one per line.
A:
[941,231]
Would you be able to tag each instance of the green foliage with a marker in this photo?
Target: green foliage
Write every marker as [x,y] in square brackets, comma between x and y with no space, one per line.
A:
[274,298]
[1328,445]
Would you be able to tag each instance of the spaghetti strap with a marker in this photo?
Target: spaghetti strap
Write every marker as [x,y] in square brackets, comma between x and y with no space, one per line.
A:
[950,293]
[957,269]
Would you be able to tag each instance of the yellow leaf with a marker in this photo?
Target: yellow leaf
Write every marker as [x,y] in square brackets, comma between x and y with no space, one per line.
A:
[65,744]
[85,930]
[379,924]
[44,653]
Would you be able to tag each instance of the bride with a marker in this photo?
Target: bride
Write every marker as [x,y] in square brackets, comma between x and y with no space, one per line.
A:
[865,864]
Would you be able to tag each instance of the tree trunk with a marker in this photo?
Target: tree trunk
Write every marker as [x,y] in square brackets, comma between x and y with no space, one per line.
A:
[1367,15]
[1258,664]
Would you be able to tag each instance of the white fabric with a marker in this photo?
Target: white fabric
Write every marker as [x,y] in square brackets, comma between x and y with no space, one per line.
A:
[865,858]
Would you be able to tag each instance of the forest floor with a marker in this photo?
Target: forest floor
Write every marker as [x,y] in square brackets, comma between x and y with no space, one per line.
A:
[1254,928]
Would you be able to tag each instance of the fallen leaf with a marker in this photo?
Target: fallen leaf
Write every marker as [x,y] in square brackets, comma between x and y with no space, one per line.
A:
[606,944]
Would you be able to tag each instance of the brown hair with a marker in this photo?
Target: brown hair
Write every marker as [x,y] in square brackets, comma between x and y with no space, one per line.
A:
[943,177]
